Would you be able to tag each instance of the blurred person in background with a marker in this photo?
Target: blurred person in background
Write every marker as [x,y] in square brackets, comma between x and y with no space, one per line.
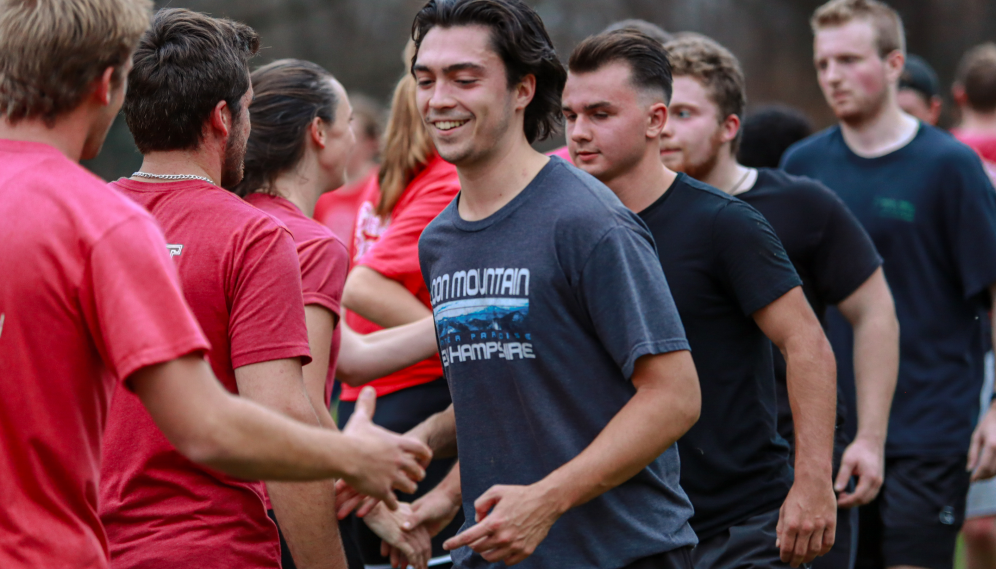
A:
[299,150]
[734,288]
[920,91]
[768,132]
[835,259]
[337,209]
[930,209]
[385,287]
[974,92]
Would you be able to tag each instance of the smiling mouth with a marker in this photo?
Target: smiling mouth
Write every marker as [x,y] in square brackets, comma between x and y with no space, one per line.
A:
[448,125]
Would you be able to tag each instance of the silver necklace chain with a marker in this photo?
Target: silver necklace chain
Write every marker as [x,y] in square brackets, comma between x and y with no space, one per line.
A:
[172,177]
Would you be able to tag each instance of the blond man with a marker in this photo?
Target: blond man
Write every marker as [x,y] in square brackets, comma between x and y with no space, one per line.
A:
[930,210]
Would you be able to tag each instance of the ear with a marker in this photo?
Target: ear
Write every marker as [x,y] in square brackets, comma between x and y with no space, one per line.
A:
[221,119]
[895,61]
[731,126]
[525,91]
[958,94]
[316,132]
[103,87]
[657,118]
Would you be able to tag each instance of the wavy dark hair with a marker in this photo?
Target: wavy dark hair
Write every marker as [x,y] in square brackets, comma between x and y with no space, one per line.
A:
[519,37]
[184,65]
[288,95]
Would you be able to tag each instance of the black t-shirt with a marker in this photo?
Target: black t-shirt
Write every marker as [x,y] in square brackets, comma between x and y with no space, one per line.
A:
[723,263]
[930,209]
[829,249]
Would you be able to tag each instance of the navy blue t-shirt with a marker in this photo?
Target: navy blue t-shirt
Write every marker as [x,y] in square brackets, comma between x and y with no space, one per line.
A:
[723,262]
[828,247]
[930,209]
[541,311]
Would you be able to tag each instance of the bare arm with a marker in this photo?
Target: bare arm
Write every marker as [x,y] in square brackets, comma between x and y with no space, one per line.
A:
[438,432]
[872,315]
[321,325]
[234,435]
[514,520]
[365,357]
[306,511]
[383,301]
[808,517]
[982,450]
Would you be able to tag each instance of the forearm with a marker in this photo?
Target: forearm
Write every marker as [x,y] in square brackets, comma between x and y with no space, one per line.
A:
[383,301]
[653,420]
[812,390]
[438,432]
[306,513]
[876,367]
[365,357]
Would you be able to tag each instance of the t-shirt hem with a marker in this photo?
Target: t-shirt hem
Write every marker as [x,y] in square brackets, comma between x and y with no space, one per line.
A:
[851,287]
[272,353]
[353,393]
[158,355]
[652,348]
[715,529]
[776,292]
[323,300]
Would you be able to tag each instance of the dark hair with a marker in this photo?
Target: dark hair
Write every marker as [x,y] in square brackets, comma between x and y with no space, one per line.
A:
[185,64]
[520,39]
[634,24]
[648,62]
[976,74]
[768,132]
[287,96]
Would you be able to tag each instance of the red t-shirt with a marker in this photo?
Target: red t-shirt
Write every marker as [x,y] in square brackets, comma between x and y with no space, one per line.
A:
[391,249]
[87,297]
[337,210]
[561,152]
[240,275]
[984,146]
[324,264]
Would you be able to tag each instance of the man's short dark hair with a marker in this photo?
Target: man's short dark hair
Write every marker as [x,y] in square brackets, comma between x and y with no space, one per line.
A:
[649,28]
[768,132]
[185,64]
[519,37]
[977,75]
[648,62]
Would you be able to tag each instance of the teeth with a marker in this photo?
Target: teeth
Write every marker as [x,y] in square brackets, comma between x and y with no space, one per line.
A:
[448,125]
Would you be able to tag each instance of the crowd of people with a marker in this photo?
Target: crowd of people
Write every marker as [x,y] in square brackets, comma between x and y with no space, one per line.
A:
[307,333]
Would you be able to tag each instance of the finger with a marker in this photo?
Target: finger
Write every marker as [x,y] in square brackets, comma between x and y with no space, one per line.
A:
[801,549]
[391,501]
[416,448]
[863,493]
[467,537]
[984,467]
[404,484]
[385,549]
[366,403]
[847,469]
[413,469]
[345,507]
[394,558]
[787,545]
[815,546]
[366,506]
[487,501]
[973,450]
[829,538]
[498,554]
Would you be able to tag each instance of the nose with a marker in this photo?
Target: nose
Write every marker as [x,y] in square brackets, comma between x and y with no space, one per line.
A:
[440,96]
[580,130]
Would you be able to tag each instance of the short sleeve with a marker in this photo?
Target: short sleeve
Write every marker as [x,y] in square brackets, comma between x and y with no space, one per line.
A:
[970,222]
[395,255]
[753,258]
[324,264]
[266,320]
[132,301]
[845,255]
[623,288]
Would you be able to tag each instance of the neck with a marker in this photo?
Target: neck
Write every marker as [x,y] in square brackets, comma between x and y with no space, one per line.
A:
[973,122]
[198,162]
[68,135]
[886,131]
[489,184]
[302,185]
[643,184]
[728,175]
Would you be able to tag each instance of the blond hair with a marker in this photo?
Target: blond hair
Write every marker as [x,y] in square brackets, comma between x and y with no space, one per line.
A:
[51,51]
[888,26]
[407,146]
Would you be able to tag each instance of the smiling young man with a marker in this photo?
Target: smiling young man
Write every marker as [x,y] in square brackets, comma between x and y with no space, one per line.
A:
[833,255]
[931,211]
[569,369]
[734,288]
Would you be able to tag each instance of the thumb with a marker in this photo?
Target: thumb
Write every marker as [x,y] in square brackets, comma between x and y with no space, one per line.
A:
[487,501]
[847,468]
[415,518]
[366,403]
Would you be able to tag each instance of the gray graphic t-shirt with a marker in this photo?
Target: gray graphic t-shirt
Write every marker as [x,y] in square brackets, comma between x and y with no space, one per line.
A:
[541,311]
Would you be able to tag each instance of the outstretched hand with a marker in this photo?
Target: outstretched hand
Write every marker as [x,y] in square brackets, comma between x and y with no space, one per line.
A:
[403,547]
[511,522]
[383,461]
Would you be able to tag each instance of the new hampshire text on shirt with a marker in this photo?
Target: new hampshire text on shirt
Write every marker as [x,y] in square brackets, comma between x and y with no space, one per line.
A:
[482,314]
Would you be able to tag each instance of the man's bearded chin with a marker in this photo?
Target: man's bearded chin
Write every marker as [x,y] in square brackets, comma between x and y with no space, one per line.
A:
[231,171]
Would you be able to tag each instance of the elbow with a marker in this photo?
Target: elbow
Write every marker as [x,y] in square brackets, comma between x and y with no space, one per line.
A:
[351,377]
[689,413]
[206,445]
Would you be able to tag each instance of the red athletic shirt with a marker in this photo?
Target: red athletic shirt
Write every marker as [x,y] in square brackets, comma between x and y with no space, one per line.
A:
[324,264]
[240,275]
[391,249]
[561,152]
[984,146]
[87,297]
[337,210]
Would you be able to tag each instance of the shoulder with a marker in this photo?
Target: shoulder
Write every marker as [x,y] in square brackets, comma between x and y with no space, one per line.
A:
[945,146]
[582,204]
[813,146]
[799,190]
[439,176]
